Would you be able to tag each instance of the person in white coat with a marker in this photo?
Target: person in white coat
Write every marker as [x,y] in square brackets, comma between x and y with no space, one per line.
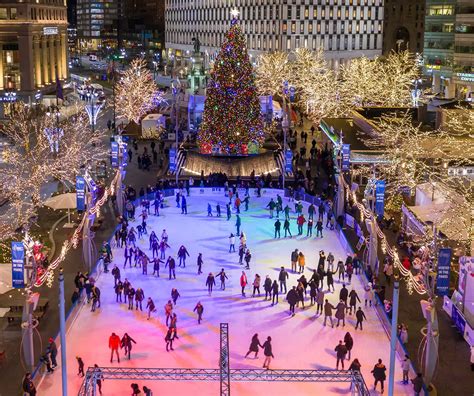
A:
[231,243]
[369,294]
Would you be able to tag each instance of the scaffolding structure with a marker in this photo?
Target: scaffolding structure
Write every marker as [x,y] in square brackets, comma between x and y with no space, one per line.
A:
[224,374]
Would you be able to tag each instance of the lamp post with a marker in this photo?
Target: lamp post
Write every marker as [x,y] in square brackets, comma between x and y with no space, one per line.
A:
[176,87]
[93,107]
[285,124]
[54,134]
[393,335]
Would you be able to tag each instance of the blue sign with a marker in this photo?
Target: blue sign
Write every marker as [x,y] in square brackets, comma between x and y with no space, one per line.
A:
[288,161]
[18,265]
[114,148]
[379,198]
[444,270]
[80,193]
[346,157]
[458,319]
[172,159]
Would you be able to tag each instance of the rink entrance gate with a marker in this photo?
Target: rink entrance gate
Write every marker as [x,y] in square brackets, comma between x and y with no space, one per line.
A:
[224,374]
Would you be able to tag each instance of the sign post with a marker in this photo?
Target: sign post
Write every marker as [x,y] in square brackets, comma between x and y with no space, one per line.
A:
[346,157]
[80,193]
[18,265]
[379,198]
[172,166]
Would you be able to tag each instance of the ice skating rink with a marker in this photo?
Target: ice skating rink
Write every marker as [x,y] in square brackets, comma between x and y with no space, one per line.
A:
[299,342]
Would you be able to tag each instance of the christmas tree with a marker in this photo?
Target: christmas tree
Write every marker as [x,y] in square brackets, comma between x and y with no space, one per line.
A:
[232,119]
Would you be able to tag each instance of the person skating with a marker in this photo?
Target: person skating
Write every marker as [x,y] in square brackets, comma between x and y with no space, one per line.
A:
[256,285]
[406,363]
[328,307]
[311,210]
[300,221]
[254,345]
[294,259]
[286,228]
[309,228]
[128,253]
[355,365]
[349,271]
[292,298]
[329,280]
[271,207]
[168,311]
[241,253]
[28,385]
[99,378]
[218,210]
[313,291]
[379,374]
[349,343]
[267,351]
[209,210]
[282,278]
[199,309]
[156,266]
[163,246]
[139,297]
[238,223]
[222,278]
[301,262]
[150,307]
[229,211]
[200,262]
[95,298]
[174,324]
[45,359]
[368,294]
[319,228]
[126,344]
[246,202]
[286,209]
[184,205]
[175,295]
[360,316]
[343,294]
[231,243]
[80,366]
[319,301]
[277,226]
[353,298]
[182,253]
[169,338]
[243,282]
[147,391]
[341,352]
[267,286]
[210,282]
[135,389]
[274,292]
[114,344]
[116,274]
[340,314]
[171,264]
[247,258]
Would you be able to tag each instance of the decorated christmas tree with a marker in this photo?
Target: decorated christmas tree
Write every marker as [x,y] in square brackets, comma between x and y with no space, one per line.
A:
[232,119]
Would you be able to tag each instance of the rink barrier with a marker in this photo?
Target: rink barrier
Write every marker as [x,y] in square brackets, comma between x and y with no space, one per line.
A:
[88,387]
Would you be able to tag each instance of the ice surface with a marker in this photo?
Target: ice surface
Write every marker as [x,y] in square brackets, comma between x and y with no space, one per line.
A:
[298,342]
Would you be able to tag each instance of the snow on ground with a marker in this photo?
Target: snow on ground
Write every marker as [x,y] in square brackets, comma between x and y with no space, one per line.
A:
[299,342]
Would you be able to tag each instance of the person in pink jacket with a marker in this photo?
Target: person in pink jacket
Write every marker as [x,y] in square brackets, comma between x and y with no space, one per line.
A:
[243,282]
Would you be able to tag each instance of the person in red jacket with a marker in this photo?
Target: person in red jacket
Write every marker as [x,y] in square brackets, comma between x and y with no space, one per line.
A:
[300,221]
[243,282]
[114,343]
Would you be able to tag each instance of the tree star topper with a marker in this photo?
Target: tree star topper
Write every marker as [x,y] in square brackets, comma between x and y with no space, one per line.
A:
[235,13]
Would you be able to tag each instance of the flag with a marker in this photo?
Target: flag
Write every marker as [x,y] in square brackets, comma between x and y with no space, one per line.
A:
[59,89]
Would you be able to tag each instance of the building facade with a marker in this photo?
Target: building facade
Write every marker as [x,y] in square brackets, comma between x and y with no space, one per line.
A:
[449,46]
[403,25]
[97,23]
[345,29]
[33,45]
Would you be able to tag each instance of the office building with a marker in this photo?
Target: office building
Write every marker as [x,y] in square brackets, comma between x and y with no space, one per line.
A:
[345,29]
[449,47]
[403,25]
[33,45]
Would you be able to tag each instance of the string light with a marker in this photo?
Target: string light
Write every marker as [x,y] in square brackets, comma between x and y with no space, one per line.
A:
[232,118]
[137,92]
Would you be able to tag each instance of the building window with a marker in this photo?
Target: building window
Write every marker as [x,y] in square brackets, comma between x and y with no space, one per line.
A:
[3,13]
[440,10]
[12,13]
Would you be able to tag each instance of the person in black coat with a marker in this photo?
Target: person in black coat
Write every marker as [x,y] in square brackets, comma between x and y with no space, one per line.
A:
[172,267]
[267,351]
[330,279]
[360,316]
[379,374]
[312,291]
[267,286]
[210,282]
[292,298]
[254,345]
[274,292]
[343,294]
[126,343]
[282,277]
[349,342]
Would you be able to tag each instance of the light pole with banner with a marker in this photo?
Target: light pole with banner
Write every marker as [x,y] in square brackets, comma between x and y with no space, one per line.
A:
[176,87]
[93,107]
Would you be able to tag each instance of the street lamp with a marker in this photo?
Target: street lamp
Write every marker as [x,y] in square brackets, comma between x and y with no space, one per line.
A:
[285,124]
[176,85]
[154,70]
[93,107]
[54,134]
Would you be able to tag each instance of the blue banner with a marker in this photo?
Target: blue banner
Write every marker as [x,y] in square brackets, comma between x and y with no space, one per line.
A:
[114,149]
[288,161]
[346,157]
[80,193]
[172,159]
[292,94]
[444,270]
[379,198]
[18,265]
